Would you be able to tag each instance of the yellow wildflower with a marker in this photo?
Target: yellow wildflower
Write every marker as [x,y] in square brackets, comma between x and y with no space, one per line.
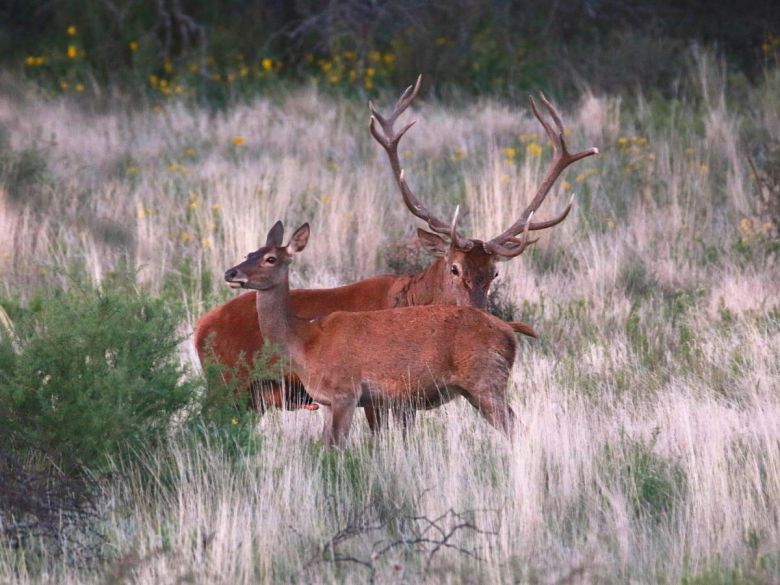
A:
[168,66]
[30,60]
[368,83]
[565,185]
[141,213]
[234,421]
[40,60]
[134,46]
[216,207]
[72,31]
[153,80]
[533,149]
[132,170]
[622,141]
[407,153]
[370,71]
[237,140]
[185,237]
[504,179]
[267,64]
[374,56]
[206,242]
[243,71]
[388,58]
[63,85]
[73,52]
[509,152]
[458,155]
[79,87]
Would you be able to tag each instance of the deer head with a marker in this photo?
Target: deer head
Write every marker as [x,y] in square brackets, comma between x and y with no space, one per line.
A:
[469,265]
[266,268]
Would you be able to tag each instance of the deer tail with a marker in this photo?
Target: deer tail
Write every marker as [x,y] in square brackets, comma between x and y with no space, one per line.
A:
[523,328]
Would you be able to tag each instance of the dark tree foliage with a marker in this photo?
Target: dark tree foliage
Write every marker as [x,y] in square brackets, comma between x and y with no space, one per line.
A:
[478,45]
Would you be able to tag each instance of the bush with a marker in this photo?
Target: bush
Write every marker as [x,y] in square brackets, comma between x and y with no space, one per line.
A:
[89,373]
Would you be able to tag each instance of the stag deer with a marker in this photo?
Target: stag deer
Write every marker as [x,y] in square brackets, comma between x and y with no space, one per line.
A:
[416,356]
[461,274]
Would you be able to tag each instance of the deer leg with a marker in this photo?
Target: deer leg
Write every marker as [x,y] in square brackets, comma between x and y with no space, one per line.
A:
[376,418]
[342,410]
[405,416]
[327,425]
[495,409]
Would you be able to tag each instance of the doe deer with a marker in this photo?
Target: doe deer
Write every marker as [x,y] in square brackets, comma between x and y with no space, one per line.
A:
[419,357]
[461,273]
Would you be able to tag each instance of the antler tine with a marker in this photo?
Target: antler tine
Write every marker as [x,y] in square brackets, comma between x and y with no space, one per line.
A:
[521,245]
[460,243]
[562,158]
[390,140]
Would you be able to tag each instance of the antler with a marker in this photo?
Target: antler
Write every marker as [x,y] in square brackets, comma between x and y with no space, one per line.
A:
[389,141]
[460,243]
[561,159]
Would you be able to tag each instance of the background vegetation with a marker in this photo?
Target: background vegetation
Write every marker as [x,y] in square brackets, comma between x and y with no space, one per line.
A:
[215,51]
[649,449]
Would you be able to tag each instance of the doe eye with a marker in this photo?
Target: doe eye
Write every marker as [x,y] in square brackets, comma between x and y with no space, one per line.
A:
[496,274]
[454,270]
[271,260]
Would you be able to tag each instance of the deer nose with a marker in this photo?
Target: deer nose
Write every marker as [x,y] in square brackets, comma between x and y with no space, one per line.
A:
[231,273]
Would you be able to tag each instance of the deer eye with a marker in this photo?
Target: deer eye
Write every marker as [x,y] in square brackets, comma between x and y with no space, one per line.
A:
[454,270]
[496,274]
[270,260]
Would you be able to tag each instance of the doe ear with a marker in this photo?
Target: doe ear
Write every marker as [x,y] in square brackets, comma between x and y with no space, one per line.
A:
[433,243]
[299,239]
[275,236]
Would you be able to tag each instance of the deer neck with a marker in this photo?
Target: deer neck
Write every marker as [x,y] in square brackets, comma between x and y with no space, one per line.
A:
[278,324]
[421,288]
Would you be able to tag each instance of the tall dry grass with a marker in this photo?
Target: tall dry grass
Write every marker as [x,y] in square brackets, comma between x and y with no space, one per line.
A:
[649,449]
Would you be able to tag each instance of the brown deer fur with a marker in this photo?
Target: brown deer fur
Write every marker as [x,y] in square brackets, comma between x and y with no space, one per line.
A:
[417,357]
[461,275]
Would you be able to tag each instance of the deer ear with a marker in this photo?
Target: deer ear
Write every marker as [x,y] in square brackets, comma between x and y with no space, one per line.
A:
[299,239]
[274,238]
[433,243]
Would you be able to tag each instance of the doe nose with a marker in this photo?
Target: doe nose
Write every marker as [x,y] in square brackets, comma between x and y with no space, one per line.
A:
[231,273]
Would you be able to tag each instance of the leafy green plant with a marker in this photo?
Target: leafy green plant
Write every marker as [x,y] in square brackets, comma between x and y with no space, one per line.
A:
[90,373]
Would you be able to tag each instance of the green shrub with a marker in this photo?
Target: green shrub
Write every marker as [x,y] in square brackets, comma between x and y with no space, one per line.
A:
[654,484]
[90,373]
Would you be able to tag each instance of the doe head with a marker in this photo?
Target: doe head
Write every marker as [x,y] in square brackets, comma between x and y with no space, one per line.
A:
[268,266]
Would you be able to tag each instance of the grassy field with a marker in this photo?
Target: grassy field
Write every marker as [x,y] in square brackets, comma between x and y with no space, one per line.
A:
[649,444]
